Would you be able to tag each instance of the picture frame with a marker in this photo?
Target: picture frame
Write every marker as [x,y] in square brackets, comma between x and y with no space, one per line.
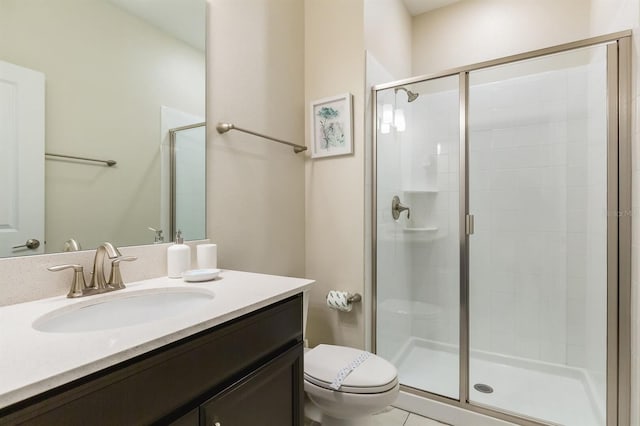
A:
[331,126]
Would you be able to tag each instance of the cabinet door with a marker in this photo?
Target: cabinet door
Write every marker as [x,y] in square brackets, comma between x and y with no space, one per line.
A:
[271,395]
[190,419]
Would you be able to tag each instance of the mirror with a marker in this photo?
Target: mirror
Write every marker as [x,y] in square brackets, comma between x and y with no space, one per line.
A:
[103,80]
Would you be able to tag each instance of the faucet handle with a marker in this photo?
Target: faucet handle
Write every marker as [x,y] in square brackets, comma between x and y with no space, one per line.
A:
[115,278]
[78,285]
[397,207]
[159,238]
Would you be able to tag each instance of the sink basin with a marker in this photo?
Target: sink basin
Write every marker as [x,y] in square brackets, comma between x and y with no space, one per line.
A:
[117,310]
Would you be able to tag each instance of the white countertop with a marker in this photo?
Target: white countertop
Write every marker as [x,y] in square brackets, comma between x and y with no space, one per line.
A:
[32,361]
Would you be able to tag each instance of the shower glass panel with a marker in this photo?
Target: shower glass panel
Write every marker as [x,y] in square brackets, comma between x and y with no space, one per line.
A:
[189,179]
[418,269]
[538,257]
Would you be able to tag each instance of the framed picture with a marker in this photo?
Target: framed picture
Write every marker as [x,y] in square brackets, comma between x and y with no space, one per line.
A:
[331,123]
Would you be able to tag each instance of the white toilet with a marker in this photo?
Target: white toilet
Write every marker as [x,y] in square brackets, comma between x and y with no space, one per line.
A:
[366,390]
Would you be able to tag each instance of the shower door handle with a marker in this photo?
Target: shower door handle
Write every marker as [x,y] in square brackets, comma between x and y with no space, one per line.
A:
[397,207]
[469,224]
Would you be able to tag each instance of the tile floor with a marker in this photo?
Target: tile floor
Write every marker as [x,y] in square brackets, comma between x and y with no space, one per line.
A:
[395,417]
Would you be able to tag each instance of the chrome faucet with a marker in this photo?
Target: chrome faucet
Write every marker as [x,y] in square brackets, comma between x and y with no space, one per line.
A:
[98,280]
[99,283]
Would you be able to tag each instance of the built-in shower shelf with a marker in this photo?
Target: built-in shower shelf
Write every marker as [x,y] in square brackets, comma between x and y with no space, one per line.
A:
[430,229]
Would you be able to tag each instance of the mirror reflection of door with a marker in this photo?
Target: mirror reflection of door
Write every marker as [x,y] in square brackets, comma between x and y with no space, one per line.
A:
[21,160]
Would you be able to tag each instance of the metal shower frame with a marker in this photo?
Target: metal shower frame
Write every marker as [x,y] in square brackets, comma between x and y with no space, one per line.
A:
[618,225]
[172,180]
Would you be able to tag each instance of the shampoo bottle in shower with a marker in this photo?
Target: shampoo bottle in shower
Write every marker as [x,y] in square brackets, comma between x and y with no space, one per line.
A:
[178,257]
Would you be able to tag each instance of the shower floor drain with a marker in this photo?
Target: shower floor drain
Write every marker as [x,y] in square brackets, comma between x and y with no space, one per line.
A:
[481,387]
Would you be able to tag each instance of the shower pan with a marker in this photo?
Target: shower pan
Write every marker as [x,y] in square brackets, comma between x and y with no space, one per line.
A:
[501,234]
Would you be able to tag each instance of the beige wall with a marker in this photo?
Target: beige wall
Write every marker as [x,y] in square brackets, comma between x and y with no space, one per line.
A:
[473,31]
[334,194]
[388,35]
[107,74]
[255,188]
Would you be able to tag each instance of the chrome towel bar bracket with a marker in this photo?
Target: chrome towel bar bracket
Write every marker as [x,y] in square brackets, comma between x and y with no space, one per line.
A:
[225,127]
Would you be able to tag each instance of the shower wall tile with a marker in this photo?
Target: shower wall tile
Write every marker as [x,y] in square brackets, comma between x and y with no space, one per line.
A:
[503,342]
[429,158]
[501,281]
[576,335]
[527,321]
[392,277]
[531,186]
[553,318]
[529,288]
[443,163]
[576,356]
[577,156]
[576,254]
[576,220]
[576,288]
[527,347]
[553,352]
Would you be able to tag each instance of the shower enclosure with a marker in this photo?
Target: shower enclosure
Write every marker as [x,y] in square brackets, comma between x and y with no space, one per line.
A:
[188,148]
[501,234]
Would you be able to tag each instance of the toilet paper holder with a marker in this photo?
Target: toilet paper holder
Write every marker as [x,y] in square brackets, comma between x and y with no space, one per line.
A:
[354,298]
[342,300]
[351,298]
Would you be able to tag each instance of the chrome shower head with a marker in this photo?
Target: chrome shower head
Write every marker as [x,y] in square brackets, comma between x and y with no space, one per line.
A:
[411,96]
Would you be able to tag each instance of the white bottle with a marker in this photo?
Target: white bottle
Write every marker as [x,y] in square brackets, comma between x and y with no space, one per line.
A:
[178,257]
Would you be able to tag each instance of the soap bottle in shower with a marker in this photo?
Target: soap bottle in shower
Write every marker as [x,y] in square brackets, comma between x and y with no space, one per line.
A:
[178,257]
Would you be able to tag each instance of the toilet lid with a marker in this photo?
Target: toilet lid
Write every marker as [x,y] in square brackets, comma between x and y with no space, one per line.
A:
[374,375]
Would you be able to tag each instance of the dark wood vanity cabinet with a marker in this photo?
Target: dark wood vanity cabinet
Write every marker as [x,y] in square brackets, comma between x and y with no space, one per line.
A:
[262,398]
[248,371]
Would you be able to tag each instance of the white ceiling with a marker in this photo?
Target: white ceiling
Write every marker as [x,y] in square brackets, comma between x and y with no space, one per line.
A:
[183,19]
[417,7]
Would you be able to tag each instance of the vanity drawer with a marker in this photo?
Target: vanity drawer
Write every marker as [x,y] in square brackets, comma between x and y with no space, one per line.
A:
[171,380]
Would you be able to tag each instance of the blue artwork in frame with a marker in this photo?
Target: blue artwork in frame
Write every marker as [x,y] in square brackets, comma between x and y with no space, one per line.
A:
[331,120]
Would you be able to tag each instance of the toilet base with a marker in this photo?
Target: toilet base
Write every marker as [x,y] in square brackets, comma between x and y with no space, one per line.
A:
[311,410]
[333,421]
[314,415]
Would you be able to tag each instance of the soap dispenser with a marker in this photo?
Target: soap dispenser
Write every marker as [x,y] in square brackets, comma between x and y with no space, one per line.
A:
[178,257]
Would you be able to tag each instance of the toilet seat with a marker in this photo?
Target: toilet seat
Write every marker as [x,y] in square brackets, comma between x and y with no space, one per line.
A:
[374,375]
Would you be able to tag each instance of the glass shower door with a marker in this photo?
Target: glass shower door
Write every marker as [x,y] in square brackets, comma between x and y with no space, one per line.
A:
[417,238]
[188,182]
[538,255]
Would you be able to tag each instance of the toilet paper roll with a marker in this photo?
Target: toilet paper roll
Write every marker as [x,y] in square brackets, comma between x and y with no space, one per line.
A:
[207,255]
[339,300]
